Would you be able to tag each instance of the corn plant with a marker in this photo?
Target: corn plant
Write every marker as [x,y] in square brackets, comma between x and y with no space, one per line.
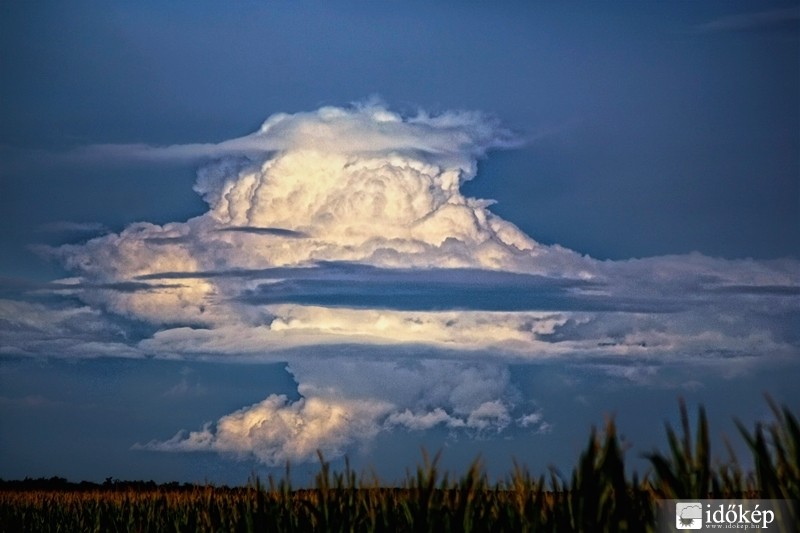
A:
[686,472]
[597,496]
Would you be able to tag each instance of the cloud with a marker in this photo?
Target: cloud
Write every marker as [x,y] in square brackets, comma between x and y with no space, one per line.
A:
[514,335]
[60,330]
[777,290]
[365,128]
[450,289]
[350,401]
[281,232]
[185,388]
[63,226]
[784,19]
[275,430]
[340,241]
[348,185]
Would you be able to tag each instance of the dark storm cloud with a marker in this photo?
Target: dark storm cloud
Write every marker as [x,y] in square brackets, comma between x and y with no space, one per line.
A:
[234,273]
[343,284]
[361,286]
[120,286]
[364,286]
[279,232]
[758,290]
[20,286]
[343,270]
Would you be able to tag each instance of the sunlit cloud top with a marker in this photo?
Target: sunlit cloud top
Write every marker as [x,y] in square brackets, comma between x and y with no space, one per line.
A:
[365,128]
[340,241]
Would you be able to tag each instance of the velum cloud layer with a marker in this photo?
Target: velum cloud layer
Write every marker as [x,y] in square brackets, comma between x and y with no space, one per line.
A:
[333,236]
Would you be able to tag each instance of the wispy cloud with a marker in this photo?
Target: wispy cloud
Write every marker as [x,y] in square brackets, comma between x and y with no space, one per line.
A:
[185,387]
[769,20]
[63,226]
[41,329]
[367,127]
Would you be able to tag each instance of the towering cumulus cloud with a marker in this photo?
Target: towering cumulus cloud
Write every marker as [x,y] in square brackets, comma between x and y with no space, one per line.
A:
[359,185]
[340,242]
[366,185]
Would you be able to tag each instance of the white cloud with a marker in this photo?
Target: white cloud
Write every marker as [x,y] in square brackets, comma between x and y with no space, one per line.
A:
[366,128]
[360,185]
[365,185]
[347,402]
[530,419]
[276,430]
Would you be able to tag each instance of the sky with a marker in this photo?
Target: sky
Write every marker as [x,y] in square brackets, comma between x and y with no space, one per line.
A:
[233,235]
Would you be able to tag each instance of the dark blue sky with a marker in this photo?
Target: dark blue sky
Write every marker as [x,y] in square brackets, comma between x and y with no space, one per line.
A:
[661,139]
[656,128]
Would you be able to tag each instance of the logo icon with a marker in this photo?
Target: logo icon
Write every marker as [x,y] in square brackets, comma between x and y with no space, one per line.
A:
[688,515]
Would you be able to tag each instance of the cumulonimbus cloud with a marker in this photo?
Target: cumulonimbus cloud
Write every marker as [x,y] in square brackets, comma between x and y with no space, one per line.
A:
[338,409]
[359,185]
[323,228]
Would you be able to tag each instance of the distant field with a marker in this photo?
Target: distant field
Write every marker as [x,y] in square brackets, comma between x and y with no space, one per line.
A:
[596,497]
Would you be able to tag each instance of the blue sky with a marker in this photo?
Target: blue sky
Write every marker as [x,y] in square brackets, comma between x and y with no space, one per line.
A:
[232,235]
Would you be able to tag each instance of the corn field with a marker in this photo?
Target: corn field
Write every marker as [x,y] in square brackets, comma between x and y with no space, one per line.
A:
[597,496]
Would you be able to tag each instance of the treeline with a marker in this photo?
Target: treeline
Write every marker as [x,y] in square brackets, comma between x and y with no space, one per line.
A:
[597,496]
[56,483]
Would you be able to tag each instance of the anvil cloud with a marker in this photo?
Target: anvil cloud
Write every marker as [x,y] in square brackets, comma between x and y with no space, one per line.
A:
[340,241]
